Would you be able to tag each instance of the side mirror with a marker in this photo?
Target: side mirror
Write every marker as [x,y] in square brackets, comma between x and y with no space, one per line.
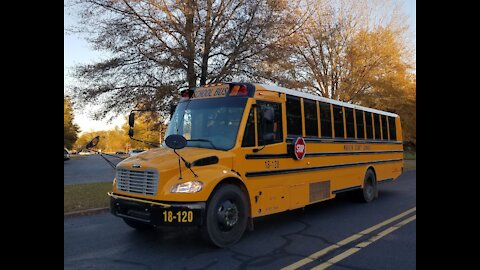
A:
[175,141]
[130,132]
[93,142]
[131,120]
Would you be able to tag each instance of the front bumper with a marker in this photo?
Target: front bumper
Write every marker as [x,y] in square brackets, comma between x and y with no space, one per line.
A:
[157,213]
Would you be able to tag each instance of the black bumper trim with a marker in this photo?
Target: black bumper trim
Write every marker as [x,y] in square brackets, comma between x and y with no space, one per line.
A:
[153,214]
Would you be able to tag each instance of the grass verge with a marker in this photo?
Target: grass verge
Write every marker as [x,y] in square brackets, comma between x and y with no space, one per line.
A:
[410,164]
[79,197]
[409,155]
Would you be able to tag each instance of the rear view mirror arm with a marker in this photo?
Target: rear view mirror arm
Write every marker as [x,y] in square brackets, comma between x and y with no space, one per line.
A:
[114,166]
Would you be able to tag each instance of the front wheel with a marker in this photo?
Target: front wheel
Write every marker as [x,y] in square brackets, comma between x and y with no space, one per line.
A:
[226,216]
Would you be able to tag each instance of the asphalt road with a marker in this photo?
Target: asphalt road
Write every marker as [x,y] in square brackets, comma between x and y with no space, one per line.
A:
[88,169]
[103,241]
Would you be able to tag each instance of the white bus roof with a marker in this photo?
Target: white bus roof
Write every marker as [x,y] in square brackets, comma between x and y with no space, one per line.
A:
[319,98]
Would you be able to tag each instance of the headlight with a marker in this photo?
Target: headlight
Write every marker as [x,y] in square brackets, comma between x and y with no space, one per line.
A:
[187,187]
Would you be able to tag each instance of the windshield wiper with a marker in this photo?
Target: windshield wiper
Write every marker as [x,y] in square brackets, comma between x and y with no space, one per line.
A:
[203,140]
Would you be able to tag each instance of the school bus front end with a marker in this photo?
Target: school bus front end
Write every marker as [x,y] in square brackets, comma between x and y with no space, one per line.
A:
[166,186]
[148,188]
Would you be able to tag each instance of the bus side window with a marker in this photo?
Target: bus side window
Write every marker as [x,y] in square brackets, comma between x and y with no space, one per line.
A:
[393,128]
[338,121]
[360,124]
[249,134]
[384,127]
[376,124]
[294,116]
[269,122]
[326,120]
[369,125]
[349,122]
[310,115]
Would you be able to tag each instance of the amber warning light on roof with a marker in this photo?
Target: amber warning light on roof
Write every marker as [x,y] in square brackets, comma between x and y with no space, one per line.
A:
[220,91]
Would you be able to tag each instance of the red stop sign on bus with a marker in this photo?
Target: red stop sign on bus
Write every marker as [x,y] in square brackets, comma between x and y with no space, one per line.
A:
[299,148]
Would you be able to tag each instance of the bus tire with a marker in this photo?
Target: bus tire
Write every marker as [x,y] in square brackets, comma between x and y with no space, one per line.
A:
[369,190]
[138,225]
[226,216]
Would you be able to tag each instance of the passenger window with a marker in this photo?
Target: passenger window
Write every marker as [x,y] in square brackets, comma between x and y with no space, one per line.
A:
[338,121]
[326,120]
[369,125]
[249,134]
[269,122]
[360,124]
[294,116]
[384,127]
[350,124]
[376,123]
[310,114]
[393,128]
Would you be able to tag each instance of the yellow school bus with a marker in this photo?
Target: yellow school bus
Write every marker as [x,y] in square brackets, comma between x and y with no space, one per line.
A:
[237,151]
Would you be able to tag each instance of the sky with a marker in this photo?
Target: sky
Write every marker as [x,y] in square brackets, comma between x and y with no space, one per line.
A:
[410,10]
[77,51]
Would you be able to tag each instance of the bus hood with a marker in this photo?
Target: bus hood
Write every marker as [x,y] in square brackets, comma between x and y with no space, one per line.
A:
[164,159]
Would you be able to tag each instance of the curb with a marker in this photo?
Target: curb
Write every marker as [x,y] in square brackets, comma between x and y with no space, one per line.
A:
[86,212]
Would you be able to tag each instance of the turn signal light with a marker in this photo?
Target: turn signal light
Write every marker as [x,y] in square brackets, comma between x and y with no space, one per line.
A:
[239,90]
[242,91]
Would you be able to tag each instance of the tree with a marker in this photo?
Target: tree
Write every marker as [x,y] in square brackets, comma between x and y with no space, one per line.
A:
[342,45]
[146,128]
[70,129]
[355,52]
[159,47]
[84,138]
[381,78]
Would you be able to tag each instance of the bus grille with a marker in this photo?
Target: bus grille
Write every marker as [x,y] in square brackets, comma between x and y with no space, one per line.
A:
[140,182]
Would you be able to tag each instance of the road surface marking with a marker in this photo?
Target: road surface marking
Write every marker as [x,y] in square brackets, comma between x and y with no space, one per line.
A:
[318,254]
[363,244]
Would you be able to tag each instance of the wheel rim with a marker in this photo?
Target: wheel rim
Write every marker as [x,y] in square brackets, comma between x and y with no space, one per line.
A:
[227,215]
[369,189]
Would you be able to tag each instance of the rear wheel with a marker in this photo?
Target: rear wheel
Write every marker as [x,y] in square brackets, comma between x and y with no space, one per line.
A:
[138,225]
[226,216]
[369,191]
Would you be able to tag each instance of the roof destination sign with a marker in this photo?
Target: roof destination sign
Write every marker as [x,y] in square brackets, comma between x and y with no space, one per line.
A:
[212,91]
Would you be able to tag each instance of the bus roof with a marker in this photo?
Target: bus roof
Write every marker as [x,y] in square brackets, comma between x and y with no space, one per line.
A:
[319,98]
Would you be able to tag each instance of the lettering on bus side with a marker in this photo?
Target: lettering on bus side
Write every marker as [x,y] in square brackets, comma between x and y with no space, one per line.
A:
[272,164]
[352,147]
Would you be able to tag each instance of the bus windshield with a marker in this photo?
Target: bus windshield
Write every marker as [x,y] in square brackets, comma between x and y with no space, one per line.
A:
[209,123]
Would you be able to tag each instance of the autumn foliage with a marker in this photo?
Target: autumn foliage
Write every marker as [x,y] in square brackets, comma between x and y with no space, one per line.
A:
[354,51]
[70,129]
